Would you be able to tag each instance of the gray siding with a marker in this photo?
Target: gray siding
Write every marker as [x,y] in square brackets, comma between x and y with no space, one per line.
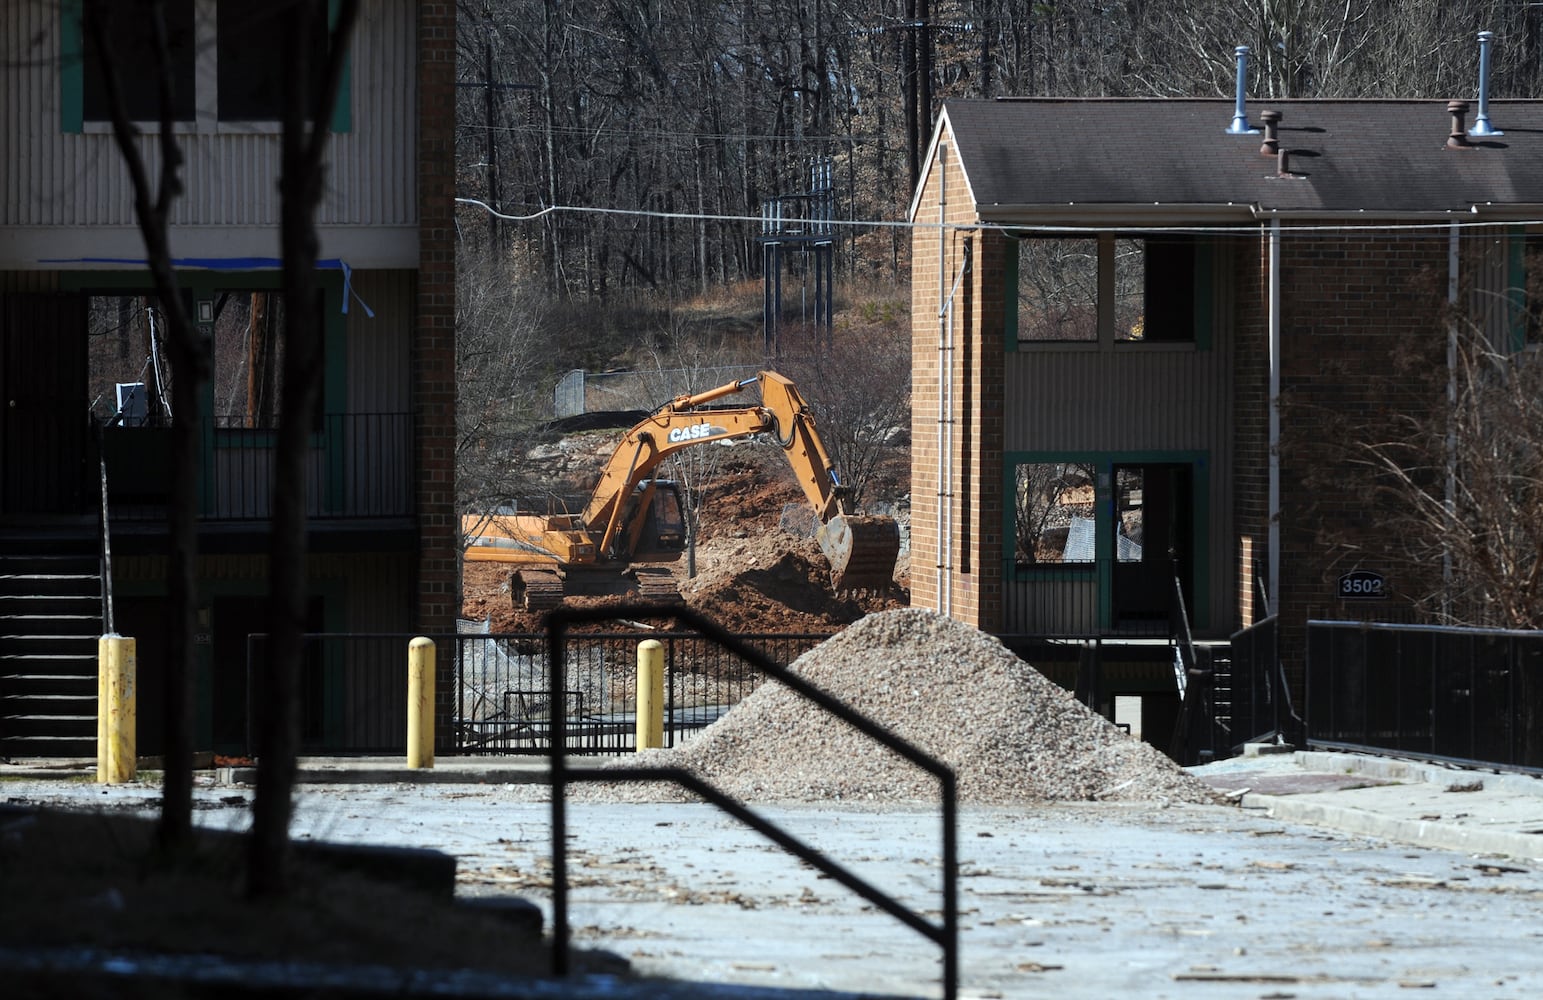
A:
[1136,399]
[379,348]
[49,178]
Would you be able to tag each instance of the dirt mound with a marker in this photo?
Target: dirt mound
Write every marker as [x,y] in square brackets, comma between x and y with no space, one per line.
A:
[951,690]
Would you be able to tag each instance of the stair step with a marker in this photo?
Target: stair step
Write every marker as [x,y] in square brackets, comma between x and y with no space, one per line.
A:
[50,618]
[94,595]
[43,638]
[49,746]
[50,576]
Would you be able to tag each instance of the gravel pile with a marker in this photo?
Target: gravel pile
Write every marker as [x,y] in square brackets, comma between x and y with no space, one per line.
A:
[956,693]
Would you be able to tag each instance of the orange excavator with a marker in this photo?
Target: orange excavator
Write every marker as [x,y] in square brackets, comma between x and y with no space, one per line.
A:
[632,526]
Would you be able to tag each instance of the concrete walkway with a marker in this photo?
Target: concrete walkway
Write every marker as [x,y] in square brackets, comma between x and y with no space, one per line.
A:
[1073,900]
[1429,805]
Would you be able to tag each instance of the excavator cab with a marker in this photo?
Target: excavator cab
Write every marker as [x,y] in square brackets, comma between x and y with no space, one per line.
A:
[656,524]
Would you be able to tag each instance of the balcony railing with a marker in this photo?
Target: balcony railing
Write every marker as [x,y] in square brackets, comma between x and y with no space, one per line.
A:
[1088,599]
[358,465]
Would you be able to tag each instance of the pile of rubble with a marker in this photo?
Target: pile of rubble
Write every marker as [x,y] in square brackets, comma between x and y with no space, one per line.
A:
[952,691]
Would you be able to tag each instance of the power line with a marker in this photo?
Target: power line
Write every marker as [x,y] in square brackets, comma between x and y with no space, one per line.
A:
[1244,229]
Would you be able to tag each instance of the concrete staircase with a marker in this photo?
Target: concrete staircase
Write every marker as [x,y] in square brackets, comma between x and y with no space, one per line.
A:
[50,620]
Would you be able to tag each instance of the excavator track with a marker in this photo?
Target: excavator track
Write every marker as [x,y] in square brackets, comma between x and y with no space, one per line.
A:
[656,585]
[862,551]
[536,589]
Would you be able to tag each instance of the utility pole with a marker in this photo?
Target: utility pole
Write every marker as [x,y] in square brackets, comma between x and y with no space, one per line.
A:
[494,230]
[490,124]
[916,80]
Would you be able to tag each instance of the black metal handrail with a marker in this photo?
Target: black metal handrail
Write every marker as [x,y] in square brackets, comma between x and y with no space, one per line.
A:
[104,525]
[945,935]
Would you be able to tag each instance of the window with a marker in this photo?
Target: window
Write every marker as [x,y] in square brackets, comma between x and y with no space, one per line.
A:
[1058,290]
[249,358]
[1107,289]
[1505,296]
[128,373]
[1129,529]
[226,60]
[250,47]
[136,59]
[1054,513]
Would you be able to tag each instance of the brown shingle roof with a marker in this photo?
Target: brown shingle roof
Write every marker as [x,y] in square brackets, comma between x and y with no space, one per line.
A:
[1023,157]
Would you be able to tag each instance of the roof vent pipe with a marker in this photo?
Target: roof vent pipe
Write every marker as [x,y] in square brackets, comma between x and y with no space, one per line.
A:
[1271,144]
[1458,139]
[1481,125]
[1239,124]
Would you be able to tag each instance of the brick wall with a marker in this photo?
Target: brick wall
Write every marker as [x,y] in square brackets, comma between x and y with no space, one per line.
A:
[1251,420]
[1354,308]
[433,355]
[962,571]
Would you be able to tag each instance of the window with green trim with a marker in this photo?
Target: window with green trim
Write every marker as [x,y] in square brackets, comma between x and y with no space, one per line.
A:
[249,357]
[250,40]
[245,64]
[1053,513]
[1105,289]
[136,60]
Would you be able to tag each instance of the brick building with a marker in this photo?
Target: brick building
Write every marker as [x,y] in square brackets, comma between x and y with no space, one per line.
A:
[1142,335]
[83,363]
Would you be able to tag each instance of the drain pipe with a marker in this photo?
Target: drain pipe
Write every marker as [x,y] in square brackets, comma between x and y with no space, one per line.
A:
[945,516]
[1481,125]
[1274,487]
[1449,500]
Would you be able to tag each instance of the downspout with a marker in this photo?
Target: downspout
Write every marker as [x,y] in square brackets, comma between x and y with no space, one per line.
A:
[1274,488]
[945,517]
[1449,499]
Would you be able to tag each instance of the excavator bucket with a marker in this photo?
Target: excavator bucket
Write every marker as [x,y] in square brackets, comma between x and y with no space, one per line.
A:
[862,551]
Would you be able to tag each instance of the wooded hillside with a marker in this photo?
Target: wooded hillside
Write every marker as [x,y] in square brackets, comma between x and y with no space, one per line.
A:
[679,109]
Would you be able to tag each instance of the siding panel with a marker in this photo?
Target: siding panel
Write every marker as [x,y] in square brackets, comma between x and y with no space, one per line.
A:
[1135,400]
[378,349]
[231,178]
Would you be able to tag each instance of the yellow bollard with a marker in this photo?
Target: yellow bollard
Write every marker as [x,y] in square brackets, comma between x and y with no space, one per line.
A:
[420,703]
[650,699]
[117,665]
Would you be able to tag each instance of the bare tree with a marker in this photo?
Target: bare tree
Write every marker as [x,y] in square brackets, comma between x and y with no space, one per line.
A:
[306,118]
[505,368]
[859,386]
[1463,491]
[190,364]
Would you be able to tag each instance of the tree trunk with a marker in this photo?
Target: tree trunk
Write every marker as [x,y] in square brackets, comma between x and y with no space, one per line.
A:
[305,133]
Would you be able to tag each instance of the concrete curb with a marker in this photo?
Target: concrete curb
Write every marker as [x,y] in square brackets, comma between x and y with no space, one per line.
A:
[1423,781]
[1423,833]
[1388,769]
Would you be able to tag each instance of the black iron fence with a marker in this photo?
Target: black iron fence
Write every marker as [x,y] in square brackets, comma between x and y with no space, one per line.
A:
[353,689]
[1468,695]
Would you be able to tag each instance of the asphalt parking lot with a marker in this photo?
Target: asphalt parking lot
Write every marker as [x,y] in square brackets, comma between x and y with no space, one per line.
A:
[1069,900]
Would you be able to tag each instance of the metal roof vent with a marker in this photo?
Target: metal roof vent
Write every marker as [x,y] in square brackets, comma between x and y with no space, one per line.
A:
[1271,119]
[1481,125]
[1239,124]
[1458,139]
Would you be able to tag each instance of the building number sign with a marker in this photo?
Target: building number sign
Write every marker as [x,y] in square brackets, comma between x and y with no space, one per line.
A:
[1361,585]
